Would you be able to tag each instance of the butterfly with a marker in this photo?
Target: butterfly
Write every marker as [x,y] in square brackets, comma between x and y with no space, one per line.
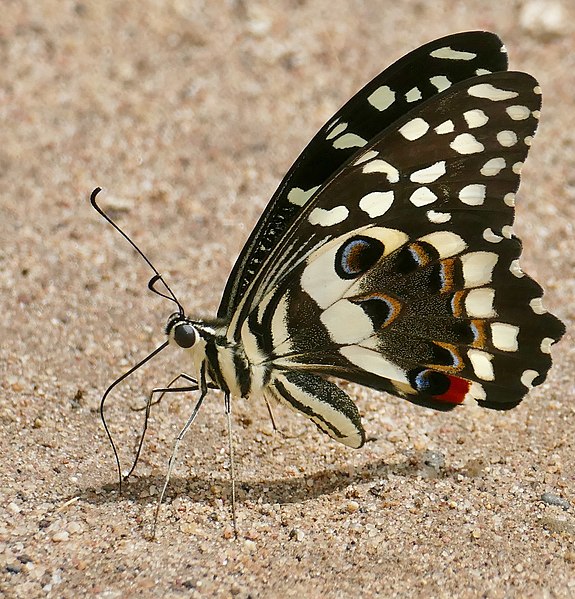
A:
[387,257]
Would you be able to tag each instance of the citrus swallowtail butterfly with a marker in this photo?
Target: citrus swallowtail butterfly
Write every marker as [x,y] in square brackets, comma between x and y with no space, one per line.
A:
[387,256]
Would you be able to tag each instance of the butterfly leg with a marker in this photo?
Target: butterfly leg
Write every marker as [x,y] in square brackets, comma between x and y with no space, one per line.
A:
[181,435]
[228,407]
[162,391]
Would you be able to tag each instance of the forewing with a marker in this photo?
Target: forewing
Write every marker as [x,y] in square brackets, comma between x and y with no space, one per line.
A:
[402,272]
[413,79]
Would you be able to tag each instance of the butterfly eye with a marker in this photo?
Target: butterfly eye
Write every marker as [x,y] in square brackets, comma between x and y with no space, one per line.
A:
[184,334]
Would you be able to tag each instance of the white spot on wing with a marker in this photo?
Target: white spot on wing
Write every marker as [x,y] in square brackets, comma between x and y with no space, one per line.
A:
[478,268]
[373,361]
[536,305]
[449,54]
[336,130]
[414,129]
[491,237]
[518,112]
[476,391]
[445,127]
[445,242]
[481,362]
[381,166]
[465,143]
[490,92]
[473,195]
[299,197]
[376,203]
[382,98]
[475,118]
[413,95]
[327,218]
[441,82]
[332,124]
[320,281]
[479,303]
[515,269]
[429,174]
[422,196]
[366,156]
[509,199]
[493,167]
[438,217]
[528,377]
[349,140]
[546,344]
[347,323]
[279,328]
[504,336]
[507,138]
[517,168]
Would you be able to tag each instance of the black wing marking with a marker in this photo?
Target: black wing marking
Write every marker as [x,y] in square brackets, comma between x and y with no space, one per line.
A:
[411,80]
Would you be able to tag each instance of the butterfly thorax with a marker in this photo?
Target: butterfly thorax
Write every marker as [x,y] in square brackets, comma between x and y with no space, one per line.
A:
[224,362]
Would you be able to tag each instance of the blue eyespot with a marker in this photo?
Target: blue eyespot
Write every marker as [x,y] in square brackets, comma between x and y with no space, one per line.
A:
[357,255]
[429,382]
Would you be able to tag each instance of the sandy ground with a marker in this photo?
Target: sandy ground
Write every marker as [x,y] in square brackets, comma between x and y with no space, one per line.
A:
[189,113]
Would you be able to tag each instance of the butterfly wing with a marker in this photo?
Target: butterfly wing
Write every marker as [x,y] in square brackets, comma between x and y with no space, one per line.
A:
[402,272]
[389,96]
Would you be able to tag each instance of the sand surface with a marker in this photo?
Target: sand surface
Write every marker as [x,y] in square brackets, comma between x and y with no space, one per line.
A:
[189,113]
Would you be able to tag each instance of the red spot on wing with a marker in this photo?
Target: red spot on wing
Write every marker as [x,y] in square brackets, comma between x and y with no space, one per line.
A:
[457,391]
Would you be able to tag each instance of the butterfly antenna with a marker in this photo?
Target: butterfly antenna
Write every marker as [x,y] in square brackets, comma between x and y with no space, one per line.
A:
[105,396]
[157,277]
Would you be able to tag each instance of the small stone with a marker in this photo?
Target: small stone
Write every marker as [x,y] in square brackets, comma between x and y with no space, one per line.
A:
[434,459]
[395,436]
[420,443]
[552,499]
[519,568]
[476,533]
[13,507]
[474,467]
[60,536]
[558,524]
[13,568]
[74,528]
[352,507]
[296,534]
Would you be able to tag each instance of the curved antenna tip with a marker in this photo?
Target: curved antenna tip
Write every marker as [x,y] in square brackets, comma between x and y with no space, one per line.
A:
[93,195]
